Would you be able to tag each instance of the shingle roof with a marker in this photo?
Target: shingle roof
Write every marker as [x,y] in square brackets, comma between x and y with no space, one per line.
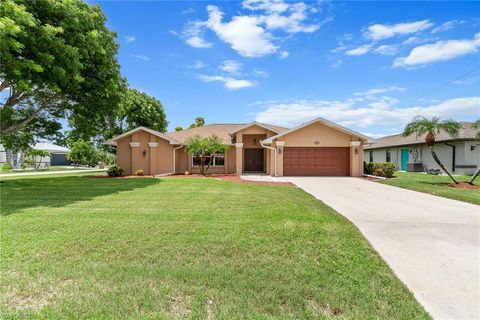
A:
[50,147]
[465,133]
[220,130]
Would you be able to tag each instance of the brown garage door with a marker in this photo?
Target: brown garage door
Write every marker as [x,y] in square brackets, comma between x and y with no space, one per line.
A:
[316,161]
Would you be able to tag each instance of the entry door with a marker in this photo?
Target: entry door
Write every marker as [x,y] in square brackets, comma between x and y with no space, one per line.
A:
[404,159]
[253,160]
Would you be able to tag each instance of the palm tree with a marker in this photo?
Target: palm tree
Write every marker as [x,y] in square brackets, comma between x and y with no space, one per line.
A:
[476,126]
[200,148]
[431,127]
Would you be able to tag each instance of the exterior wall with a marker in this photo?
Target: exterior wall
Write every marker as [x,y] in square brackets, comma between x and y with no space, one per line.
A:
[141,154]
[320,135]
[124,155]
[162,155]
[181,161]
[464,156]
[231,163]
[153,159]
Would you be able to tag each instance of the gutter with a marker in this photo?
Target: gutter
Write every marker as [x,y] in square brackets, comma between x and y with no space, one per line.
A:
[453,155]
[275,156]
[175,149]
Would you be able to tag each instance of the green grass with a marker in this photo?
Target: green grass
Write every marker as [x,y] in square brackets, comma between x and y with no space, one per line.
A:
[80,247]
[436,185]
[41,170]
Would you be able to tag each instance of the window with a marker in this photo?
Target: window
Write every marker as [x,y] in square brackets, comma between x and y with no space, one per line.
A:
[371,156]
[219,160]
[388,156]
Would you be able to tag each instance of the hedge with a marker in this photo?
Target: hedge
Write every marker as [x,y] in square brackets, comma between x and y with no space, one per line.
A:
[381,169]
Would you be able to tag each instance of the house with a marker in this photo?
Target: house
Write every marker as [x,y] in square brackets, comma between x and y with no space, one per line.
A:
[57,157]
[461,155]
[315,148]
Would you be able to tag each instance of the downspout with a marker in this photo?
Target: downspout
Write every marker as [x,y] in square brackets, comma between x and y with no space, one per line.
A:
[175,149]
[274,154]
[453,155]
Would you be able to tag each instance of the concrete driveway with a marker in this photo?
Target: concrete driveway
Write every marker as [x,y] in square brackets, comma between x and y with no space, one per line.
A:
[431,243]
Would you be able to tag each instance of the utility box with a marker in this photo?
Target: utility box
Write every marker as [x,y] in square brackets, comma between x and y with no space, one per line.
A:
[415,167]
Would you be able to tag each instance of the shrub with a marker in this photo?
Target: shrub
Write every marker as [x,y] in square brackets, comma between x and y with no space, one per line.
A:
[6,166]
[380,169]
[115,171]
[139,172]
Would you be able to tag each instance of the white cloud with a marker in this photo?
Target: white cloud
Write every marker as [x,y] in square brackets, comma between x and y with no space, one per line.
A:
[387,50]
[284,54]
[242,33]
[379,90]
[447,26]
[141,57]
[359,50]
[231,66]
[385,31]
[355,114]
[229,82]
[129,39]
[260,73]
[197,65]
[439,51]
[193,35]
[251,35]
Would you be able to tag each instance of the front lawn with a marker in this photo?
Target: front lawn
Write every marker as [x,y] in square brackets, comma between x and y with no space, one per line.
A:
[81,247]
[436,185]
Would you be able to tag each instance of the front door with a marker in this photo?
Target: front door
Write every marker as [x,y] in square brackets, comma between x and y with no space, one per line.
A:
[404,159]
[253,160]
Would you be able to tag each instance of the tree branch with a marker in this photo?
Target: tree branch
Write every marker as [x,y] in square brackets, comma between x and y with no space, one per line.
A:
[5,84]
[24,122]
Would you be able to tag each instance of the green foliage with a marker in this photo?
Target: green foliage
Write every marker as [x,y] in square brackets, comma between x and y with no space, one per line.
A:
[58,60]
[82,153]
[140,109]
[35,155]
[421,125]
[476,126]
[380,169]
[6,166]
[203,147]
[106,157]
[178,128]
[27,163]
[199,122]
[115,171]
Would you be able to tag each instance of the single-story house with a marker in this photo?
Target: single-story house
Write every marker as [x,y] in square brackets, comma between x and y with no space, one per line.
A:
[315,148]
[461,155]
[57,157]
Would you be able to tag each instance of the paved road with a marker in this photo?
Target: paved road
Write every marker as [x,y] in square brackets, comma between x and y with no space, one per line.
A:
[37,173]
[431,243]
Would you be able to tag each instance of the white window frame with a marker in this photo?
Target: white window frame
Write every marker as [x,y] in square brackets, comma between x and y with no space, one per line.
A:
[214,161]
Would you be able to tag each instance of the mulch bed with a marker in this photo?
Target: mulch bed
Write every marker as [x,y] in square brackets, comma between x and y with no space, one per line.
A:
[226,177]
[464,185]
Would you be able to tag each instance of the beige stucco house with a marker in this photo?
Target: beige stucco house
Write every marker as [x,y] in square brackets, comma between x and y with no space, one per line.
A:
[315,148]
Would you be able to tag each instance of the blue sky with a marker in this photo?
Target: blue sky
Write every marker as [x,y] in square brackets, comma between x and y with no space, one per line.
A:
[356,63]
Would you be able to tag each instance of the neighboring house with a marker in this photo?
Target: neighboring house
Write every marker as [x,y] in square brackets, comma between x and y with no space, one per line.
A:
[317,148]
[58,155]
[461,155]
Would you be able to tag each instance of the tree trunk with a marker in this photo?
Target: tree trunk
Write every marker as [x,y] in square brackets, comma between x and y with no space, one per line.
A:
[434,156]
[475,175]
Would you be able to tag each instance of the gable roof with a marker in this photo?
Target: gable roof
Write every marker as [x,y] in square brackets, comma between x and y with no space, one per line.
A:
[325,122]
[113,141]
[467,132]
[270,127]
[223,131]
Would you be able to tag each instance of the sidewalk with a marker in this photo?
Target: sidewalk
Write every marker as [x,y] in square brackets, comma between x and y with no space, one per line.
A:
[21,174]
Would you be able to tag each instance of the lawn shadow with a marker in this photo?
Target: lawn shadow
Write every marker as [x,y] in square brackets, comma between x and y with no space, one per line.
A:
[52,192]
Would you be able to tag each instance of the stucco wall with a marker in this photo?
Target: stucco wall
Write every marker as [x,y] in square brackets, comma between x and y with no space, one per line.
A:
[231,163]
[164,156]
[124,155]
[181,161]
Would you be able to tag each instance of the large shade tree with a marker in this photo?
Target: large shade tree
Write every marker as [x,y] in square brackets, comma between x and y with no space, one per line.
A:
[430,128]
[58,60]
